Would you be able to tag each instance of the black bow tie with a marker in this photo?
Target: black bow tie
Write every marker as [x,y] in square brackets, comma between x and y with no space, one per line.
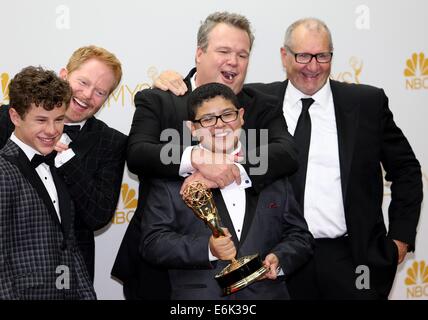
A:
[72,131]
[39,159]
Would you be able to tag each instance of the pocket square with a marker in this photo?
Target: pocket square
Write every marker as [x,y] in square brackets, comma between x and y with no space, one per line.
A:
[273,205]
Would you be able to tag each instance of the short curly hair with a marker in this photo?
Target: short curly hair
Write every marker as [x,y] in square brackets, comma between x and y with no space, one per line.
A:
[35,85]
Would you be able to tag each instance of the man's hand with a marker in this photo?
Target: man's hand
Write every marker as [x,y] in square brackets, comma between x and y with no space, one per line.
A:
[218,168]
[60,147]
[402,250]
[271,263]
[172,81]
[197,176]
[223,247]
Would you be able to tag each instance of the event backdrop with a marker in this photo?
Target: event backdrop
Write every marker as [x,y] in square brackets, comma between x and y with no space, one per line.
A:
[378,42]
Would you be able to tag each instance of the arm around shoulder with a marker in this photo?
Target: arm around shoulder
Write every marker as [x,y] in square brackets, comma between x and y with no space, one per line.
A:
[154,120]
[95,184]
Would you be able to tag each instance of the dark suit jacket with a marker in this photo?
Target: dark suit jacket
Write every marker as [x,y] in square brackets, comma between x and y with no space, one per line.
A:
[173,237]
[369,139]
[6,125]
[93,177]
[35,247]
[157,110]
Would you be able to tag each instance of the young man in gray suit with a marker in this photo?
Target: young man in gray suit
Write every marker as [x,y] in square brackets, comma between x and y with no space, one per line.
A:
[268,223]
[39,258]
[92,164]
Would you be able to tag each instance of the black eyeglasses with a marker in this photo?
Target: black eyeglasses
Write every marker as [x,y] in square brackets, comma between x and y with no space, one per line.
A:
[210,121]
[305,58]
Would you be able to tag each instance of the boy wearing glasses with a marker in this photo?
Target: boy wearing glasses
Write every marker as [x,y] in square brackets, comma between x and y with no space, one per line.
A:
[268,223]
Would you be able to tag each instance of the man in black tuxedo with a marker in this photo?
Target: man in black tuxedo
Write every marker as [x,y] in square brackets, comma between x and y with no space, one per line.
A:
[351,135]
[92,155]
[222,55]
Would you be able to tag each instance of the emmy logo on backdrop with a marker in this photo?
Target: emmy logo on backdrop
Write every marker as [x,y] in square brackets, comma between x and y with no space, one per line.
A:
[4,94]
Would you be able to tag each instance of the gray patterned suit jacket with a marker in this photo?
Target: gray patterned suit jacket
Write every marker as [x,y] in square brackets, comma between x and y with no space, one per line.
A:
[39,258]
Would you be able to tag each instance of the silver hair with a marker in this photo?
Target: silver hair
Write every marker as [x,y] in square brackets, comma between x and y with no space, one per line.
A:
[310,24]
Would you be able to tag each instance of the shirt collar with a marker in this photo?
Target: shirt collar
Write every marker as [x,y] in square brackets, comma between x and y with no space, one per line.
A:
[236,151]
[321,97]
[81,124]
[245,179]
[29,151]
[193,82]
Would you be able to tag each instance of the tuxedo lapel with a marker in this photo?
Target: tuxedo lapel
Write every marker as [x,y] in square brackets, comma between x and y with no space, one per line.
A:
[64,205]
[282,93]
[247,102]
[251,198]
[87,137]
[225,220]
[24,166]
[347,121]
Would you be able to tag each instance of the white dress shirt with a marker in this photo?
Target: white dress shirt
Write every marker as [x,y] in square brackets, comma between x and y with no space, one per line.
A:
[63,157]
[235,199]
[42,170]
[323,201]
[234,196]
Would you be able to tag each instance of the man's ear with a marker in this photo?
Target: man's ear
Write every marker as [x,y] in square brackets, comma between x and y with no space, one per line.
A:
[198,54]
[14,117]
[191,127]
[63,73]
[241,112]
[284,56]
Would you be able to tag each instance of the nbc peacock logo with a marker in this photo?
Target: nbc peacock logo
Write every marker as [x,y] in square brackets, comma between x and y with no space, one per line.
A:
[416,72]
[417,280]
[4,93]
[127,205]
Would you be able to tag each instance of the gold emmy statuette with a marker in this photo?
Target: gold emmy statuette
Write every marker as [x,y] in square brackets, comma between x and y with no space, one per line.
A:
[240,272]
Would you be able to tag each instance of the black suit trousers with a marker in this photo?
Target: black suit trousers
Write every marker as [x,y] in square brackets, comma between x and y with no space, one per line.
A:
[330,275]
